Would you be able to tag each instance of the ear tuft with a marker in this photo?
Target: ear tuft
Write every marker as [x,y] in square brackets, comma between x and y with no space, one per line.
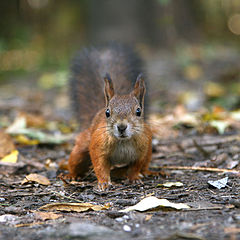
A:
[140,89]
[108,88]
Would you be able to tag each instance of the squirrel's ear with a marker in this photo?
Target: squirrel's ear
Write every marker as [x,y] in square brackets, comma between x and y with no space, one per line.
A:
[108,88]
[139,89]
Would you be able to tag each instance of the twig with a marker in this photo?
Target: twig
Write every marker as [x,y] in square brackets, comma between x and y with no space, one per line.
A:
[209,169]
[22,194]
[69,198]
[30,224]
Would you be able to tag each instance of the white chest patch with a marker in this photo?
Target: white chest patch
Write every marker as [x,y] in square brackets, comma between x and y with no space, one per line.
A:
[123,154]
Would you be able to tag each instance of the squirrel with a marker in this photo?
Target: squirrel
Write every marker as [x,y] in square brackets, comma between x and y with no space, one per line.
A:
[114,136]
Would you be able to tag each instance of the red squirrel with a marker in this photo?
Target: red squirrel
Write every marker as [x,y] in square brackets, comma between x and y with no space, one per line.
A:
[117,137]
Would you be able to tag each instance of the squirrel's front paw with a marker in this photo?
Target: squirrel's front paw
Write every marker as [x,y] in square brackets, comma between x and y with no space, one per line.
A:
[135,179]
[67,177]
[103,186]
[155,174]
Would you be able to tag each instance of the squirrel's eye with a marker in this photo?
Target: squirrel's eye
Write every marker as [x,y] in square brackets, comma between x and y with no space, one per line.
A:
[107,113]
[138,112]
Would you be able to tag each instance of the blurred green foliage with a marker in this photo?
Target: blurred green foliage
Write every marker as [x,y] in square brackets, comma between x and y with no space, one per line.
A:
[39,35]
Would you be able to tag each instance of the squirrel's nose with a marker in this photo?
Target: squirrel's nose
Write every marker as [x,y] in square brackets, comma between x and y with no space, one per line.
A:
[121,127]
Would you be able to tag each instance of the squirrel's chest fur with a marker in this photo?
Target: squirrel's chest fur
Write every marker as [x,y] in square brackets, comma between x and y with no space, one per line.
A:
[123,153]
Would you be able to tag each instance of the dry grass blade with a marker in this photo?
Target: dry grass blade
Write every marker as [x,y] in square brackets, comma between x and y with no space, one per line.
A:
[209,169]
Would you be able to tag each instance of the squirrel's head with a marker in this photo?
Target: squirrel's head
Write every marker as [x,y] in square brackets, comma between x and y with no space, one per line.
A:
[124,114]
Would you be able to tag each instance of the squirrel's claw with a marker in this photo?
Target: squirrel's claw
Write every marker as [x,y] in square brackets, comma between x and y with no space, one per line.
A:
[104,186]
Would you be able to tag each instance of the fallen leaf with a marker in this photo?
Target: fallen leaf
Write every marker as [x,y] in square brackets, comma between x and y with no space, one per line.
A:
[19,123]
[170,184]
[221,183]
[25,140]
[153,202]
[41,136]
[235,115]
[19,128]
[46,215]
[219,125]
[33,120]
[11,158]
[73,207]
[6,144]
[33,177]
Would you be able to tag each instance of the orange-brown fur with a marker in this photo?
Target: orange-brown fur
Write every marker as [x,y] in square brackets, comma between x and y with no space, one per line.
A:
[108,147]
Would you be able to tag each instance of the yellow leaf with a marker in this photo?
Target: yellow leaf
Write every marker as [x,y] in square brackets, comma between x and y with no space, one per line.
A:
[25,140]
[11,158]
[73,207]
[33,177]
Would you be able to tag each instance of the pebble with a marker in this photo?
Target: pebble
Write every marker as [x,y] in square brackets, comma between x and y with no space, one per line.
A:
[7,218]
[119,219]
[127,228]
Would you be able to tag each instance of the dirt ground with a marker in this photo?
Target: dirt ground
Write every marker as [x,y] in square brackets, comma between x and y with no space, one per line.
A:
[213,214]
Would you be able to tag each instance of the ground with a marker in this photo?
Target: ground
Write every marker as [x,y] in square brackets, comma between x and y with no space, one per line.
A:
[213,214]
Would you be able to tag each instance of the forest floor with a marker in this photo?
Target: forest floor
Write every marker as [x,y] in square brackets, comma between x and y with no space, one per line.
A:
[190,153]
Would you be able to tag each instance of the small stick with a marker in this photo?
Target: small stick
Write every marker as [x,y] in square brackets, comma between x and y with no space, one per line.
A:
[62,196]
[209,169]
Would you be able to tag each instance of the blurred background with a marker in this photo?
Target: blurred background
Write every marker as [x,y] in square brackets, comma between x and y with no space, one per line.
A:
[191,48]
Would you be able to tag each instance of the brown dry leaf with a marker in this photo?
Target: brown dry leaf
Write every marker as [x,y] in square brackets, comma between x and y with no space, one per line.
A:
[33,177]
[46,215]
[33,120]
[6,144]
[73,207]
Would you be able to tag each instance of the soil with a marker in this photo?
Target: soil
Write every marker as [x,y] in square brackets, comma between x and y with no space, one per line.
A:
[214,213]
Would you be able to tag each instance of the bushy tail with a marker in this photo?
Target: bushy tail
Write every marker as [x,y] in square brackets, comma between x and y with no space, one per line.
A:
[87,71]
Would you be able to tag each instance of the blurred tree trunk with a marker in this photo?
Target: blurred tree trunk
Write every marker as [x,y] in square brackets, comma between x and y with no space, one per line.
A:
[122,20]
[147,21]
